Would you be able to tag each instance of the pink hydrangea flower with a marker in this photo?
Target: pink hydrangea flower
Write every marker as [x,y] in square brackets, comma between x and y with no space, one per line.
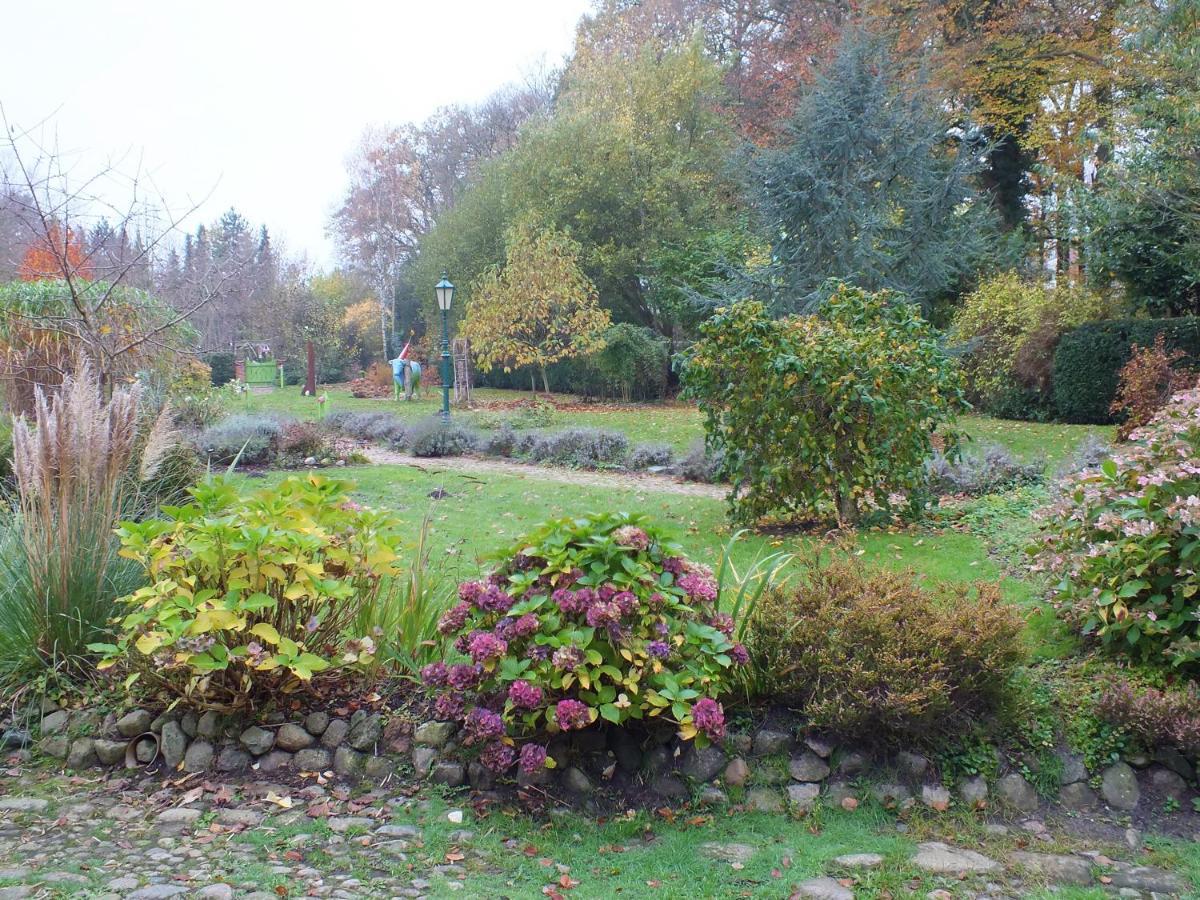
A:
[498,757]
[571,715]
[709,718]
[533,759]
[525,695]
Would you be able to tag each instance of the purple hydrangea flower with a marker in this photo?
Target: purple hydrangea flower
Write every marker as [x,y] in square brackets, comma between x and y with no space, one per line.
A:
[533,759]
[464,676]
[486,646]
[631,536]
[525,626]
[603,613]
[482,725]
[709,718]
[699,588]
[498,757]
[538,652]
[571,715]
[570,602]
[627,602]
[740,655]
[676,565]
[470,592]
[448,707]
[662,629]
[454,618]
[495,600]
[503,629]
[607,592]
[568,658]
[525,695]
[657,601]
[723,622]
[435,674]
[659,649]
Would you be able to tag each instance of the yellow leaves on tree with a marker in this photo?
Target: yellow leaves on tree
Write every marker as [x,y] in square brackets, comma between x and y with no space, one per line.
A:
[538,309]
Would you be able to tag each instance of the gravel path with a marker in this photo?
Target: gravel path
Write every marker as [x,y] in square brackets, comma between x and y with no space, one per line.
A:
[633,481]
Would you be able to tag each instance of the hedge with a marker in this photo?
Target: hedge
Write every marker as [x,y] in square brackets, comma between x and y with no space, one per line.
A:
[1089,359]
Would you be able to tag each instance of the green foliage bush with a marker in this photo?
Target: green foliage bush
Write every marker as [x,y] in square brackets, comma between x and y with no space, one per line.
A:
[251,594]
[1009,329]
[823,415]
[1088,361]
[221,364]
[599,617]
[633,363]
[875,658]
[1123,542]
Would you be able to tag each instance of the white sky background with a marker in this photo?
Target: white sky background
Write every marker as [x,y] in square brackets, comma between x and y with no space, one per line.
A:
[259,101]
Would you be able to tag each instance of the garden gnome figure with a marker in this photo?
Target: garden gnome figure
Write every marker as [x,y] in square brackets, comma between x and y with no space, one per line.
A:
[406,373]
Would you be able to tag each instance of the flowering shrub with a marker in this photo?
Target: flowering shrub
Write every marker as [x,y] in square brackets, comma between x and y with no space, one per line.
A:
[252,594]
[591,618]
[1156,718]
[1124,541]
[1145,384]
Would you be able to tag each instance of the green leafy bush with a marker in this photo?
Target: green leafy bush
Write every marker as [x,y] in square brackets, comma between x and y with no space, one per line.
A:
[1124,540]
[823,415]
[593,618]
[221,366]
[872,657]
[1088,361]
[1009,329]
[251,594]
[633,363]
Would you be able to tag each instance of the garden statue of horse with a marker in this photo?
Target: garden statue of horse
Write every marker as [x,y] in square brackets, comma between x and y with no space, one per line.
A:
[406,373]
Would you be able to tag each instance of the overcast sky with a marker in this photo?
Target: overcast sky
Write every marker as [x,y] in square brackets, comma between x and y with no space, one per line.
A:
[259,101]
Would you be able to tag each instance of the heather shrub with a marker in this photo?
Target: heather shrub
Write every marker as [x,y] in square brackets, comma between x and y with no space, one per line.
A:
[1122,542]
[701,464]
[300,440]
[584,448]
[1145,384]
[645,456]
[824,415]
[1154,718]
[991,469]
[873,657]
[500,442]
[383,427]
[589,618]
[251,594]
[433,437]
[246,438]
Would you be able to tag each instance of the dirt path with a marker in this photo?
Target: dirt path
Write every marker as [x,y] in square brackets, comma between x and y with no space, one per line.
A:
[625,480]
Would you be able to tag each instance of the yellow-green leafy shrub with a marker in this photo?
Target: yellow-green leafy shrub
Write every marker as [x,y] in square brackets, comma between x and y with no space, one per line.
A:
[870,656]
[252,594]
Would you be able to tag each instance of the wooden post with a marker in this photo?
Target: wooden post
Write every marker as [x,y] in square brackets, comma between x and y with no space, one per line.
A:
[310,373]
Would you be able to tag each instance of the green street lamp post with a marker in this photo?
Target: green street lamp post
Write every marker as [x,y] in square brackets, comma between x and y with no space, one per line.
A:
[445,296]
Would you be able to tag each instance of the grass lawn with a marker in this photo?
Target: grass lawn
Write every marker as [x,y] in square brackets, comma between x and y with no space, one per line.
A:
[677,424]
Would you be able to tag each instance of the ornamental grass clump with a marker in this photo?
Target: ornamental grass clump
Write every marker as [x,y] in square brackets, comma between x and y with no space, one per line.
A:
[1123,542]
[253,593]
[586,619]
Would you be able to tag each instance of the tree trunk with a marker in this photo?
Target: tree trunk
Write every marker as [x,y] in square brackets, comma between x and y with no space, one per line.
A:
[545,382]
[847,509]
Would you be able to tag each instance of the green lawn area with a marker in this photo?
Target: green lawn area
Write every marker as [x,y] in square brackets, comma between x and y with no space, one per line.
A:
[677,424]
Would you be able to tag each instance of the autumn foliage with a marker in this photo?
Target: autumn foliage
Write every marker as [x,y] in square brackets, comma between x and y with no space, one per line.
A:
[1146,384]
[57,254]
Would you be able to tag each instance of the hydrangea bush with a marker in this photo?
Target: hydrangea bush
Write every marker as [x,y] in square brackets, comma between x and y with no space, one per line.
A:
[1124,541]
[587,619]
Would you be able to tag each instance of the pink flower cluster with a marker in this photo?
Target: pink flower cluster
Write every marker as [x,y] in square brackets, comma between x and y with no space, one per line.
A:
[482,725]
[572,715]
[484,646]
[709,718]
[525,695]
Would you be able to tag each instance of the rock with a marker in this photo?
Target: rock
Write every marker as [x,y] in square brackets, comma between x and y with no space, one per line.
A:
[859,861]
[711,795]
[199,756]
[379,768]
[1168,782]
[57,745]
[55,723]
[912,765]
[231,759]
[1119,787]
[803,797]
[349,763]
[311,759]
[316,723]
[215,892]
[819,745]
[158,892]
[422,760]
[134,723]
[808,767]
[761,799]
[1176,762]
[1078,796]
[449,773]
[1015,792]
[366,733]
[892,795]
[736,773]
[274,761]
[292,737]
[823,888]
[479,776]
[1133,838]
[973,792]
[15,739]
[703,764]
[190,723]
[111,753]
[1073,769]
[656,760]
[248,818]
[173,744]
[935,797]
[626,749]
[768,742]
[1147,878]
[852,763]
[1138,760]
[342,824]
[145,750]
[670,787]
[408,832]
[257,740]
[575,781]
[208,726]
[1054,867]
[335,732]
[178,815]
[837,791]
[82,754]
[23,804]
[728,853]
[943,859]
